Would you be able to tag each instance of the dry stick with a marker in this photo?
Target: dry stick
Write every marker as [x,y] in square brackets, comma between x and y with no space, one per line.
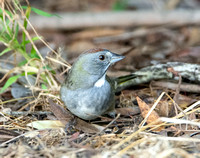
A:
[147,126]
[179,153]
[165,123]
[12,100]
[128,139]
[57,61]
[7,74]
[175,98]
[43,41]
[34,46]
[179,121]
[150,111]
[184,87]
[101,130]
[127,19]
[130,35]
[19,136]
[181,114]
[132,145]
[157,72]
[13,139]
[188,109]
[29,103]
[176,105]
[24,113]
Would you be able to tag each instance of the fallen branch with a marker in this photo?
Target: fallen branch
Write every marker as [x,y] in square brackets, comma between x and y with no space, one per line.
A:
[184,87]
[117,19]
[187,71]
[25,113]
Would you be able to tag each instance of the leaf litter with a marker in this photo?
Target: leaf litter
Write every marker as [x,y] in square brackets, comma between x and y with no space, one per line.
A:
[155,120]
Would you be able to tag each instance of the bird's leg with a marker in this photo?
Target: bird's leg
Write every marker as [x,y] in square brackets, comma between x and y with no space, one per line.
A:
[70,126]
[112,113]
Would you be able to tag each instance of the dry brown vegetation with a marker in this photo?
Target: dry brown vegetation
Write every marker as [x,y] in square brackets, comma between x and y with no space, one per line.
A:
[155,118]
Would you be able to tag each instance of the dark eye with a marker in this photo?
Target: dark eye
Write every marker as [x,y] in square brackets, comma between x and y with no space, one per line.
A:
[101,57]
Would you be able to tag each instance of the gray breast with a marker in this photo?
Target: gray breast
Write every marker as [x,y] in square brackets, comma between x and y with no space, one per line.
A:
[88,103]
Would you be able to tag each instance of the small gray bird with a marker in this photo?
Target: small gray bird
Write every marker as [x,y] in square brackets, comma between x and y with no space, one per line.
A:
[87,91]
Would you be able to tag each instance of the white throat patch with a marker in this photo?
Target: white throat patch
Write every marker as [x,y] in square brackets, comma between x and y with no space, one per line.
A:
[100,82]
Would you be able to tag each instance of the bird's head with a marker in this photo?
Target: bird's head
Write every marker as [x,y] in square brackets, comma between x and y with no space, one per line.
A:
[97,61]
[92,65]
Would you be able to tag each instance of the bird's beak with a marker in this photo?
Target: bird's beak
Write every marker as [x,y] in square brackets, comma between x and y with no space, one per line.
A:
[116,57]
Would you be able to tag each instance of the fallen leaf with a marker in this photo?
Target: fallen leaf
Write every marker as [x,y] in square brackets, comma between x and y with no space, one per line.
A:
[45,124]
[163,108]
[66,117]
[153,117]
[129,111]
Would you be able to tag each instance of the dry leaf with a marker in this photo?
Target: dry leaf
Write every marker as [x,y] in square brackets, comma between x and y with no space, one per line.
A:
[128,111]
[153,117]
[184,101]
[45,124]
[163,108]
[65,117]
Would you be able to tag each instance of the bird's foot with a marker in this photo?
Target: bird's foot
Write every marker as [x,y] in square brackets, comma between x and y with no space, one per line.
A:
[112,113]
[70,126]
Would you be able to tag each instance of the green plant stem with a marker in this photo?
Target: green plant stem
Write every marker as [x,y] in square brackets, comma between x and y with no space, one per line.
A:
[15,46]
[24,54]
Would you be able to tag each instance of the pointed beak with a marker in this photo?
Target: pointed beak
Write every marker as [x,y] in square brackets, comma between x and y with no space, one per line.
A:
[116,57]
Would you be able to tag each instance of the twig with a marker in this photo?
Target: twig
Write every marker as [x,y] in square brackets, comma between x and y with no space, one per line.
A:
[130,35]
[101,130]
[126,18]
[24,113]
[188,71]
[184,87]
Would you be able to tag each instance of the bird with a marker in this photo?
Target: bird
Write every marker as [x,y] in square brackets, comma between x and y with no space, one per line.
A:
[87,91]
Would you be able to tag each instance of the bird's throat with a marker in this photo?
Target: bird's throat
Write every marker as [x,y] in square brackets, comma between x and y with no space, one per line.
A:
[100,82]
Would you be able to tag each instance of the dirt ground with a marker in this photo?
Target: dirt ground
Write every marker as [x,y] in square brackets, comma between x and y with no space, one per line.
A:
[157,84]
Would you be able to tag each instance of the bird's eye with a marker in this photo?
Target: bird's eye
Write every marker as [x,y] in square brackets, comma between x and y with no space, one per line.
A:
[101,57]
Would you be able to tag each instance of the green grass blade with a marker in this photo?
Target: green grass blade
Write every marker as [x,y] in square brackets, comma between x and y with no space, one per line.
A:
[34,53]
[5,51]
[43,86]
[33,39]
[16,31]
[40,12]
[28,11]
[9,82]
[9,13]
[119,5]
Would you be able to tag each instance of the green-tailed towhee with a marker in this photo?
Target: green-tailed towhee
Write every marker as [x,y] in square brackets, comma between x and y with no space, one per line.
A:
[87,91]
